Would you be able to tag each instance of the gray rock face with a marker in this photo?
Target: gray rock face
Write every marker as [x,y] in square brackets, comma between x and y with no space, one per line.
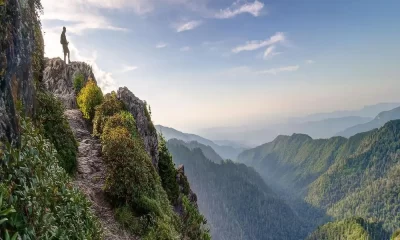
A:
[17,43]
[58,78]
[145,127]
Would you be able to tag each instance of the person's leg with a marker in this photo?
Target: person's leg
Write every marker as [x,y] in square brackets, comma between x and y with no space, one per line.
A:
[69,60]
[65,55]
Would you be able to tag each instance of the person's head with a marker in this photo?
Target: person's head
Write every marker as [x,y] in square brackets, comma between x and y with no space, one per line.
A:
[64,29]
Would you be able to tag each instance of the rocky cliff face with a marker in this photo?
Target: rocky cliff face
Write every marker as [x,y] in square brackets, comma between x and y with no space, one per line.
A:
[143,122]
[58,78]
[17,46]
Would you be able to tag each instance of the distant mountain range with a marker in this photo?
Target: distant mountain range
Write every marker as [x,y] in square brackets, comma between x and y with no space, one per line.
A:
[368,111]
[319,125]
[377,122]
[225,151]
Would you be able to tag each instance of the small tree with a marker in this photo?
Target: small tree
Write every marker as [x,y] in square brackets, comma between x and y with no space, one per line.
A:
[89,97]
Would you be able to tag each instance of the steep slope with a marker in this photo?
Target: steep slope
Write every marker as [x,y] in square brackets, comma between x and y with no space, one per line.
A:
[225,151]
[119,172]
[349,229]
[344,177]
[377,122]
[91,176]
[235,200]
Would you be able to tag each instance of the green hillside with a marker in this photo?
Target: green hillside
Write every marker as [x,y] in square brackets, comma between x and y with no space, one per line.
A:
[345,177]
[235,200]
[349,229]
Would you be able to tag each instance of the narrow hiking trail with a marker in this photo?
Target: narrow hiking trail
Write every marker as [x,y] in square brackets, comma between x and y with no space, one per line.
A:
[91,176]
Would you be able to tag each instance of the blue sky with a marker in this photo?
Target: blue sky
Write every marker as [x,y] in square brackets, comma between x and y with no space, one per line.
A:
[209,63]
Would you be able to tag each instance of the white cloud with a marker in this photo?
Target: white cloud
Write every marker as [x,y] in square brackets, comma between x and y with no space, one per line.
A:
[127,68]
[279,70]
[188,26]
[254,45]
[185,49]
[310,61]
[236,9]
[78,15]
[161,45]
[270,52]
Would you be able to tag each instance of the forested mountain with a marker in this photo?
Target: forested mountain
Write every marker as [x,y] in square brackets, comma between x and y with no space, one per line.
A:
[235,200]
[377,122]
[358,176]
[225,151]
[350,229]
[208,151]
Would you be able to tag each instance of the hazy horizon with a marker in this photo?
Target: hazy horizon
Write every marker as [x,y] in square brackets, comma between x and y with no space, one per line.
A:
[203,64]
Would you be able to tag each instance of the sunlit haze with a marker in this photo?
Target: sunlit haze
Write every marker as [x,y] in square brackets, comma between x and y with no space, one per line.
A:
[207,63]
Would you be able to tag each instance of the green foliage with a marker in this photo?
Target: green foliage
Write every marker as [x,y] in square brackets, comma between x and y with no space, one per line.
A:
[110,106]
[396,235]
[46,204]
[148,116]
[89,97]
[350,229]
[55,127]
[79,82]
[193,222]
[133,183]
[167,171]
[359,176]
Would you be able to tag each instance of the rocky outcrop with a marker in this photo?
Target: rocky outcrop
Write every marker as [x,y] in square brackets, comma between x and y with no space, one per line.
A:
[58,78]
[91,177]
[17,45]
[143,122]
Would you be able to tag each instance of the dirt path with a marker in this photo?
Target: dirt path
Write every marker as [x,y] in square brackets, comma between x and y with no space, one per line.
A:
[91,176]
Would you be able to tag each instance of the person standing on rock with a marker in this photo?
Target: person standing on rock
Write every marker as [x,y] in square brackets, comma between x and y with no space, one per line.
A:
[65,43]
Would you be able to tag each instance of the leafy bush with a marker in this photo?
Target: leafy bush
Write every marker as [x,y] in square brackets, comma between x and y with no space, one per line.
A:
[193,222]
[396,235]
[89,97]
[79,82]
[110,106]
[167,171]
[46,204]
[133,183]
[55,127]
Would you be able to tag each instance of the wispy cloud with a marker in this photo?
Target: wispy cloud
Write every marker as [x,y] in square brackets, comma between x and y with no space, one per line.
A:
[236,9]
[185,49]
[161,45]
[254,45]
[187,26]
[78,16]
[276,71]
[310,61]
[270,52]
[127,68]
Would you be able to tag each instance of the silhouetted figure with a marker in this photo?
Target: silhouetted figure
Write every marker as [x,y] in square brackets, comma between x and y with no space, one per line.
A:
[64,43]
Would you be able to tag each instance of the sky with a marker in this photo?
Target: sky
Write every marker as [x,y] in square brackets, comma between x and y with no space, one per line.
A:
[213,63]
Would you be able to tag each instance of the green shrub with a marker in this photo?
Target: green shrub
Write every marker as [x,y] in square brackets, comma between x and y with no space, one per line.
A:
[396,235]
[46,204]
[167,171]
[55,127]
[193,222]
[133,182]
[110,106]
[123,119]
[89,97]
[79,82]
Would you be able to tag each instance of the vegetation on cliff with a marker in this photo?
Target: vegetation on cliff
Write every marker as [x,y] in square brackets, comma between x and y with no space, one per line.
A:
[38,198]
